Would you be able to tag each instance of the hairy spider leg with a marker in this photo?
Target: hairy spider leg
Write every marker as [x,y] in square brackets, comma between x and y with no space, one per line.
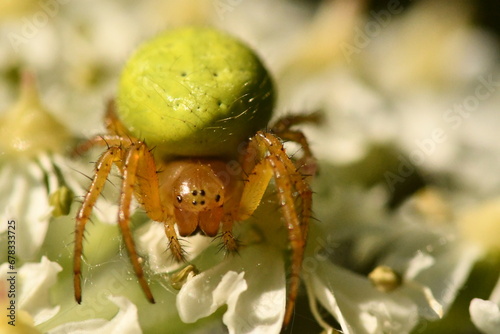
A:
[148,186]
[297,240]
[137,166]
[288,180]
[111,121]
[286,122]
[102,140]
[103,167]
[147,193]
[282,128]
[116,130]
[228,239]
[301,184]
[132,157]
[307,163]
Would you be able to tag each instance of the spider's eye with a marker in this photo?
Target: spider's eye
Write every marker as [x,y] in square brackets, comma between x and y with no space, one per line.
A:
[217,198]
[179,198]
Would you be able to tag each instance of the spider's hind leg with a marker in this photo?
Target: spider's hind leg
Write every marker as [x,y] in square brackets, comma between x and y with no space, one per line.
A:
[111,121]
[283,129]
[116,135]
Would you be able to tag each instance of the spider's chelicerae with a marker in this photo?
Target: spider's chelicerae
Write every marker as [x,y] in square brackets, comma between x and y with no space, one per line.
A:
[199,98]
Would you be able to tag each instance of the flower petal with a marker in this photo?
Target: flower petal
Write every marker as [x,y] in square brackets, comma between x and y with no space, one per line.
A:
[256,302]
[225,291]
[27,203]
[36,279]
[151,240]
[358,306]
[485,315]
[124,322]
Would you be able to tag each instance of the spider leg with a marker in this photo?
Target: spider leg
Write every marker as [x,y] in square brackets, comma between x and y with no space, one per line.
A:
[173,241]
[300,182]
[285,123]
[118,133]
[103,168]
[255,187]
[228,239]
[282,128]
[130,179]
[111,121]
[102,140]
[307,164]
[148,194]
[294,227]
[288,180]
[298,137]
[301,185]
[140,178]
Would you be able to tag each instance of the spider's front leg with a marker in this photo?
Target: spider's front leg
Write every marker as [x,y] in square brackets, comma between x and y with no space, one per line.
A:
[288,180]
[137,165]
[140,179]
[103,167]
[133,158]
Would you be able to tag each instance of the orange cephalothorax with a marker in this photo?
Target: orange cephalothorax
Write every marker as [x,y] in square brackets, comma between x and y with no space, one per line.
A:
[197,194]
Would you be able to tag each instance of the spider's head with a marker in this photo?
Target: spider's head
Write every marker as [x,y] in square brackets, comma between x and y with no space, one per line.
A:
[199,199]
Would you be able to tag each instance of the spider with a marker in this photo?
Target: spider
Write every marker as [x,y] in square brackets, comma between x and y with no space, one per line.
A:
[185,134]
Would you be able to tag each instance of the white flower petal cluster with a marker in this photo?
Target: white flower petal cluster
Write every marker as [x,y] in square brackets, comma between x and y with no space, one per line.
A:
[34,281]
[252,285]
[486,315]
[125,321]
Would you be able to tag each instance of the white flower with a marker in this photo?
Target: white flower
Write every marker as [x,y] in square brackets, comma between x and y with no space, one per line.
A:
[32,283]
[255,301]
[252,285]
[124,322]
[152,241]
[480,225]
[358,306]
[485,315]
[32,172]
[36,279]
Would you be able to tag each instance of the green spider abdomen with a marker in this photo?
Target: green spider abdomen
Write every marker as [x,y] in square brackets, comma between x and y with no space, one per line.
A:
[194,92]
